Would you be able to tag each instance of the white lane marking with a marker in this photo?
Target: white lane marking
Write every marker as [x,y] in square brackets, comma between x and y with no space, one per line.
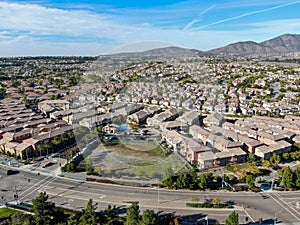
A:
[276,200]
[291,198]
[71,192]
[287,203]
[41,186]
[248,215]
[33,186]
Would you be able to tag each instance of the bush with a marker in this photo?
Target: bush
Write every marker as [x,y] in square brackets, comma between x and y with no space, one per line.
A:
[242,180]
[255,189]
[241,188]
[230,168]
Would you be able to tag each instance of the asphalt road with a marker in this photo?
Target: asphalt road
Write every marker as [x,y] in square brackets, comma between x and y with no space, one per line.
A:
[75,194]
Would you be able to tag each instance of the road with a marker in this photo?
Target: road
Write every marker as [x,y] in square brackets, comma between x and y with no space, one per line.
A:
[75,194]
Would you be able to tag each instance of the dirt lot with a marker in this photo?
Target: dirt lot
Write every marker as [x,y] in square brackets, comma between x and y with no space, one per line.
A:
[144,160]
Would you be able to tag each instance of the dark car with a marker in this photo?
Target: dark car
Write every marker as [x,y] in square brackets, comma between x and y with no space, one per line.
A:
[12,172]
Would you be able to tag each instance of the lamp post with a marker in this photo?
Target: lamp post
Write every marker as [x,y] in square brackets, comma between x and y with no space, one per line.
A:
[158,183]
[2,200]
[158,191]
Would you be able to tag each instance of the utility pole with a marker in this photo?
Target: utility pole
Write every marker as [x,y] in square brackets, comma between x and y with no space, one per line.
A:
[158,191]
[223,182]
[272,185]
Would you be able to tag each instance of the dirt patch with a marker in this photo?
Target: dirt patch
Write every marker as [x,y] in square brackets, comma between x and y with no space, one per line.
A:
[134,160]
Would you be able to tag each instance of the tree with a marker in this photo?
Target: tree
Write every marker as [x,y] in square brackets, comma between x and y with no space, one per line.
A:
[177,221]
[216,201]
[295,155]
[250,180]
[133,214]
[110,215]
[251,156]
[267,164]
[73,220]
[275,159]
[286,156]
[148,218]
[253,169]
[20,218]
[193,179]
[70,167]
[169,181]
[42,209]
[89,167]
[282,90]
[297,175]
[287,178]
[183,181]
[204,180]
[56,141]
[89,214]
[233,219]
[40,149]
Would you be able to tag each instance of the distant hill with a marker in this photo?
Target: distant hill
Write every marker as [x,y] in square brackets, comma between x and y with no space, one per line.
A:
[166,51]
[284,43]
[172,50]
[287,43]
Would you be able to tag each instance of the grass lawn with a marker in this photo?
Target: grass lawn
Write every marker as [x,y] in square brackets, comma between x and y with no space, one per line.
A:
[5,212]
[135,159]
[155,169]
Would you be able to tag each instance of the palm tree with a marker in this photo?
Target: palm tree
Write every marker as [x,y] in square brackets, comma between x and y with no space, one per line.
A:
[56,141]
[40,148]
[47,146]
[71,137]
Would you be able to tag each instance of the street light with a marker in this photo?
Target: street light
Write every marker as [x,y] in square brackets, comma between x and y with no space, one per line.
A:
[158,183]
[2,200]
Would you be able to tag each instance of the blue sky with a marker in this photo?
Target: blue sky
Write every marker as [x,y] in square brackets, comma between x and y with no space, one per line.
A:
[86,27]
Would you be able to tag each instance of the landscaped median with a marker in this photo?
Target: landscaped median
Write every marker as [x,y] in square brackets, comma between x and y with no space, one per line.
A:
[209,205]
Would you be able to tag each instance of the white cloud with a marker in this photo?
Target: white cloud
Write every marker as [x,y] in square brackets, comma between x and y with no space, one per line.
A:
[248,14]
[196,20]
[25,30]
[27,46]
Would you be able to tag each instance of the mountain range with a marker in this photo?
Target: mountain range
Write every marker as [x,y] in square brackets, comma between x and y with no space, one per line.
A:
[283,44]
[287,43]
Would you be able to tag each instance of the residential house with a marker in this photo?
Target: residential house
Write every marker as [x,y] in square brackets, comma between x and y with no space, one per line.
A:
[138,117]
[265,152]
[190,118]
[214,119]
[234,155]
[206,159]
[173,139]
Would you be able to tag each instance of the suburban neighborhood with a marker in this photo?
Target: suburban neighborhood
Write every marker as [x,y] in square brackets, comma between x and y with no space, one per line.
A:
[196,113]
[145,119]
